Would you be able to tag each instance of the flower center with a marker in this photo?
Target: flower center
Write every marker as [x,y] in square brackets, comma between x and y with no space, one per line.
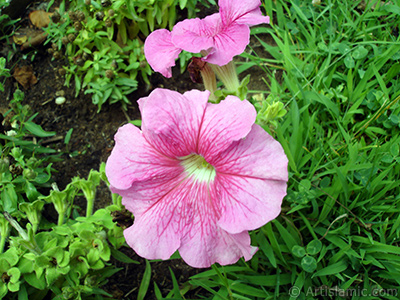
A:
[197,167]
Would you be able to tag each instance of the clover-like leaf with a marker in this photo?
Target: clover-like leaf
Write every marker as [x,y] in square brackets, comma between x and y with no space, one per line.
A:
[360,52]
[314,247]
[298,251]
[349,61]
[309,264]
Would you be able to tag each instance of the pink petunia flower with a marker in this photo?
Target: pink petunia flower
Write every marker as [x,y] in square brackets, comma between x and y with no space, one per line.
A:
[218,37]
[197,177]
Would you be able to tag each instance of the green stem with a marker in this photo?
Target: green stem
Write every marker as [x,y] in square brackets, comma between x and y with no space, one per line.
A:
[209,80]
[61,217]
[89,207]
[227,74]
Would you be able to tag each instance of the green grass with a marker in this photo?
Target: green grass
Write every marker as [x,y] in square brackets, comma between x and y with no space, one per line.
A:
[338,233]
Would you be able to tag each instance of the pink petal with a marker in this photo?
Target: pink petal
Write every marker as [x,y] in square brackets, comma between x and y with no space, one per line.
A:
[219,43]
[179,213]
[258,156]
[133,158]
[195,35]
[224,123]
[229,42]
[156,205]
[160,52]
[201,250]
[252,175]
[241,12]
[171,121]
[248,203]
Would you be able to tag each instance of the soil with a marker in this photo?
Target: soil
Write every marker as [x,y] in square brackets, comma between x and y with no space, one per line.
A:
[91,143]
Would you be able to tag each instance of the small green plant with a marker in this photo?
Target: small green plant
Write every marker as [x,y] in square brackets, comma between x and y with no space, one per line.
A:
[103,41]
[69,260]
[25,165]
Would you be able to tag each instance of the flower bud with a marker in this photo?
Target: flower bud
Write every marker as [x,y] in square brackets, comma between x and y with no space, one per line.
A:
[78,26]
[57,55]
[99,16]
[110,74]
[80,15]
[72,16]
[15,170]
[62,71]
[270,111]
[16,153]
[71,37]
[29,174]
[105,3]
[64,40]
[109,23]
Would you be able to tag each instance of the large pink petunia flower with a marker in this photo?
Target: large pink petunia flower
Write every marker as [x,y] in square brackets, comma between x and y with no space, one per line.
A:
[197,177]
[219,37]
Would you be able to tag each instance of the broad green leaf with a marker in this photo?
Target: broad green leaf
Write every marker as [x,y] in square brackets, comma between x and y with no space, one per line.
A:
[309,264]
[298,251]
[314,247]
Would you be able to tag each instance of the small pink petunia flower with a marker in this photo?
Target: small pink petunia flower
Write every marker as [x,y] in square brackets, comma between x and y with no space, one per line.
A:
[197,177]
[219,37]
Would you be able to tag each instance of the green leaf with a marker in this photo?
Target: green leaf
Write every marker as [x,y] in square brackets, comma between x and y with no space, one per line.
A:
[395,9]
[68,136]
[314,247]
[309,264]
[336,268]
[9,199]
[394,149]
[118,255]
[349,61]
[144,285]
[37,130]
[360,52]
[298,251]
[137,123]
[39,283]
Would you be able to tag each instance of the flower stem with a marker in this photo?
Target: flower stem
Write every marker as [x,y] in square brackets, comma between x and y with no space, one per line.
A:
[89,207]
[227,74]
[209,80]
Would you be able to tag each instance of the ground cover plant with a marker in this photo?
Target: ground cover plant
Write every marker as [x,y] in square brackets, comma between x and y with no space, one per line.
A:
[332,71]
[103,42]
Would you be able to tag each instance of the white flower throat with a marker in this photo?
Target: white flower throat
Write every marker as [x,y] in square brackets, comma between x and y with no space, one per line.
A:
[197,167]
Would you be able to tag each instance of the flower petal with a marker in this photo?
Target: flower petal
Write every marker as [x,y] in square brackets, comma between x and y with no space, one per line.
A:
[195,35]
[181,213]
[171,121]
[201,249]
[229,42]
[248,203]
[158,205]
[241,12]
[133,158]
[160,52]
[252,174]
[258,156]
[219,43]
[224,123]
